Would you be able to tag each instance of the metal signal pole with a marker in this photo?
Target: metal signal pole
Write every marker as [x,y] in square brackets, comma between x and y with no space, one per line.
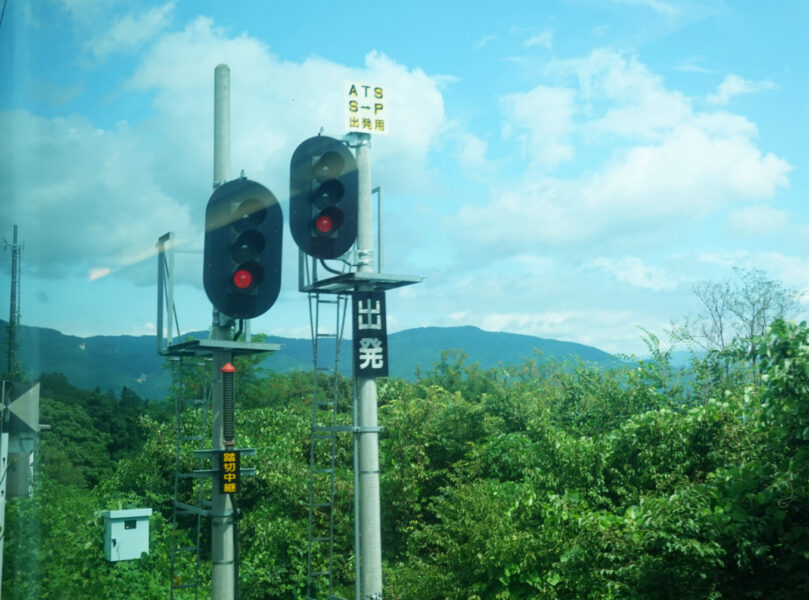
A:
[369,517]
[223,570]
[367,287]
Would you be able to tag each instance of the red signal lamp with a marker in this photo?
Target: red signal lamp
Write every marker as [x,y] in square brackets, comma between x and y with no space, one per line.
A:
[328,221]
[324,224]
[242,279]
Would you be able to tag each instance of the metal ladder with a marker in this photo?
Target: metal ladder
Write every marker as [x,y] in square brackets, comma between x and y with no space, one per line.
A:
[190,505]
[323,446]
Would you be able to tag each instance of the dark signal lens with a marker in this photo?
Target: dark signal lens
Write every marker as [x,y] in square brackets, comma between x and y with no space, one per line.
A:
[248,245]
[328,193]
[328,166]
[248,214]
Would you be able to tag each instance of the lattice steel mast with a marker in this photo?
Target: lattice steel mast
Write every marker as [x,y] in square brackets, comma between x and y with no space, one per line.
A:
[14,305]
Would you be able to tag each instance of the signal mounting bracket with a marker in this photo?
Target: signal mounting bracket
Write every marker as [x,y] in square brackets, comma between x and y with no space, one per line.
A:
[208,347]
[350,281]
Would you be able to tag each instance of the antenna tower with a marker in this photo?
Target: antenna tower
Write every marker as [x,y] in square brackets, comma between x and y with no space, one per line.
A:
[14,309]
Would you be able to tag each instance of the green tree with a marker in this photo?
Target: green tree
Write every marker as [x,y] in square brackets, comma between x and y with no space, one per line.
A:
[533,481]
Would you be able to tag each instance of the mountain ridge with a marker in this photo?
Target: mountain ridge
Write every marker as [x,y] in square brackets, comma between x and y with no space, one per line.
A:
[113,362]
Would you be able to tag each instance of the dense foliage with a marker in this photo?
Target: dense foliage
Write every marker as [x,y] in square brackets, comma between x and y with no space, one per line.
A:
[532,481]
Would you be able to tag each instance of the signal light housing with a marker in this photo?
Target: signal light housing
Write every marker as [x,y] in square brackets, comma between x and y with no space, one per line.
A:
[243,239]
[323,197]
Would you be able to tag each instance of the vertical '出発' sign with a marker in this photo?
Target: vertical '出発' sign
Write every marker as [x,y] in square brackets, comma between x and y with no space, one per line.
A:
[366,108]
[370,335]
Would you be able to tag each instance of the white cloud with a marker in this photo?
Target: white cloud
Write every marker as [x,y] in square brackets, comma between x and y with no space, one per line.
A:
[546,296]
[650,113]
[792,271]
[757,220]
[609,75]
[485,40]
[84,196]
[87,13]
[608,330]
[689,165]
[632,270]
[693,66]
[692,171]
[545,115]
[622,97]
[130,32]
[725,259]
[648,188]
[472,155]
[144,329]
[734,85]
[547,299]
[544,39]
[665,9]
[98,273]
[277,104]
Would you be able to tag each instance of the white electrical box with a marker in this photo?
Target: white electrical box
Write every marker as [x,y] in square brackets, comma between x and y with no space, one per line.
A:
[126,533]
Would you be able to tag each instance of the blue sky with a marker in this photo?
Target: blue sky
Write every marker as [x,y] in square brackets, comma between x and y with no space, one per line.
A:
[565,168]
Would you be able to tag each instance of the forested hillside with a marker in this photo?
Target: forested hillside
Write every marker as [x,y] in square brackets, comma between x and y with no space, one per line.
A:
[537,480]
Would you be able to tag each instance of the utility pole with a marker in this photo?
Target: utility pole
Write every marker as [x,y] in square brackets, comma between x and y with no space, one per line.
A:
[370,528]
[223,570]
[378,191]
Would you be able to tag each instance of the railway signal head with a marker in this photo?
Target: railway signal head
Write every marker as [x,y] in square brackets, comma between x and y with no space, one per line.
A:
[243,236]
[323,197]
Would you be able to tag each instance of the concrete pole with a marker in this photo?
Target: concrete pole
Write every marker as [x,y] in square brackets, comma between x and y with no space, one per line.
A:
[370,528]
[379,213]
[221,125]
[223,569]
[365,221]
[222,551]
